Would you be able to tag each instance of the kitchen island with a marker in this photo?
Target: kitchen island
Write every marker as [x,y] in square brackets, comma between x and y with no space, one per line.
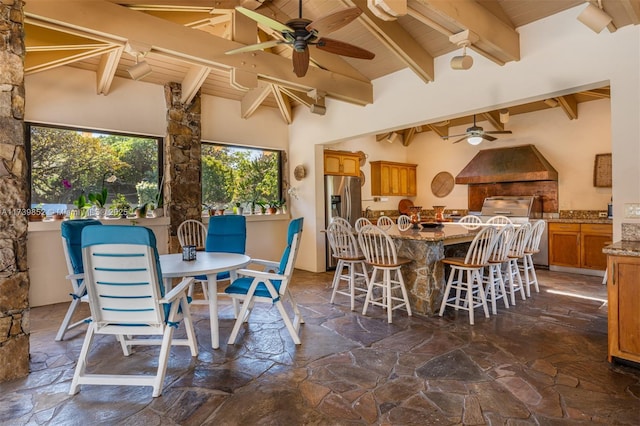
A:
[425,276]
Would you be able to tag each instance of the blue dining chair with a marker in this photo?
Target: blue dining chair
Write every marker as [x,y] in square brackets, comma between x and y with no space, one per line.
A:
[127,298]
[270,285]
[71,231]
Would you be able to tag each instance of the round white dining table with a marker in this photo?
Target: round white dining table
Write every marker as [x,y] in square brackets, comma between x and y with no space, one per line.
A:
[209,264]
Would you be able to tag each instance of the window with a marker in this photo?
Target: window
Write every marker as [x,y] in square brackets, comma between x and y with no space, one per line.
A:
[232,175]
[68,163]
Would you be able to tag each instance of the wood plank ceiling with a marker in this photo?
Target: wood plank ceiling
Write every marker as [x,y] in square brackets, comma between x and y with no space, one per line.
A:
[185,41]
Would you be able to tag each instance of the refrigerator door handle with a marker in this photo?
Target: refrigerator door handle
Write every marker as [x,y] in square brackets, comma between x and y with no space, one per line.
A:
[348,206]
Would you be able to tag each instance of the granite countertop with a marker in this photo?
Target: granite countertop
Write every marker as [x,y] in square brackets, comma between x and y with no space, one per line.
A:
[449,233]
[603,221]
[623,248]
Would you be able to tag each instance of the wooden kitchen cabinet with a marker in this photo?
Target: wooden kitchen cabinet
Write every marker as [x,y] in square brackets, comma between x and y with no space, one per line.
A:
[623,290]
[579,245]
[341,163]
[389,178]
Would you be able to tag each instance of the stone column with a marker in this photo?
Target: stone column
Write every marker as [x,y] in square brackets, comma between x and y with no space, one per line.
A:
[14,279]
[183,187]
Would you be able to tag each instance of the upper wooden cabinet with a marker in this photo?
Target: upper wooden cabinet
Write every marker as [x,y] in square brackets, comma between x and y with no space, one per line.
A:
[579,245]
[388,178]
[341,163]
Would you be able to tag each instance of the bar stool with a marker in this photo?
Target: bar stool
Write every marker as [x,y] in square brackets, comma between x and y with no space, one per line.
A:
[361,222]
[380,253]
[404,222]
[516,253]
[345,249]
[499,220]
[532,247]
[466,275]
[385,223]
[494,283]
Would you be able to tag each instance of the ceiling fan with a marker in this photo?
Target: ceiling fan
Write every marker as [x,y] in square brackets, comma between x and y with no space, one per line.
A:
[300,33]
[475,134]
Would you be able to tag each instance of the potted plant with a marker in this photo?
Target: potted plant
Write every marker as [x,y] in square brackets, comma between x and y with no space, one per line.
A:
[99,200]
[36,214]
[82,207]
[120,206]
[141,210]
[263,206]
[273,207]
[238,209]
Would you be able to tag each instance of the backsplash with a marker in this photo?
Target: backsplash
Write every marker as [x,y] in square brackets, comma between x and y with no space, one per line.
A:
[582,214]
[631,232]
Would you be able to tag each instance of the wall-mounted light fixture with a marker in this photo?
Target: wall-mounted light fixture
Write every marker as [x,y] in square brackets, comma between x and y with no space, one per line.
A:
[504,115]
[394,136]
[595,17]
[140,70]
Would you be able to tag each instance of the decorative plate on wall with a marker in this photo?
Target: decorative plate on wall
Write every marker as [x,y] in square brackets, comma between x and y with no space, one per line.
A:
[299,172]
[442,184]
[361,178]
[362,157]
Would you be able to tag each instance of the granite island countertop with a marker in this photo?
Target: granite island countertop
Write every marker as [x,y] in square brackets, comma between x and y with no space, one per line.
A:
[623,248]
[448,233]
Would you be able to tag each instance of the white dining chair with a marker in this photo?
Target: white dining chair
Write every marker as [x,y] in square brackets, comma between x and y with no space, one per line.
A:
[404,222]
[385,223]
[361,222]
[342,221]
[194,233]
[499,220]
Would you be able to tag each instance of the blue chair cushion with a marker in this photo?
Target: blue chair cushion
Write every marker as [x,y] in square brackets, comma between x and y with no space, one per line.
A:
[227,234]
[295,226]
[71,231]
[241,286]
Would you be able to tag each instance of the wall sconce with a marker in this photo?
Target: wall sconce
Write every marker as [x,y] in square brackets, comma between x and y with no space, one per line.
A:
[594,17]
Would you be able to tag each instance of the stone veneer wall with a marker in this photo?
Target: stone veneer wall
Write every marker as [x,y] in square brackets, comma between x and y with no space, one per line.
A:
[14,278]
[182,161]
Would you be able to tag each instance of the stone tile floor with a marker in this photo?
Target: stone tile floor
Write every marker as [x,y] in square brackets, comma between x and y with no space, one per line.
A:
[541,362]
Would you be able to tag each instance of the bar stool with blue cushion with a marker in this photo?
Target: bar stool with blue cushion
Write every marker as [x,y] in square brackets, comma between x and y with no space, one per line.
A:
[465,277]
[270,285]
[71,231]
[380,254]
[127,298]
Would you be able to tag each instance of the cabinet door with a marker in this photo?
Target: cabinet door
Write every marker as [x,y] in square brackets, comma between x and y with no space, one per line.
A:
[351,165]
[593,238]
[385,180]
[624,299]
[411,182]
[564,244]
[394,172]
[331,164]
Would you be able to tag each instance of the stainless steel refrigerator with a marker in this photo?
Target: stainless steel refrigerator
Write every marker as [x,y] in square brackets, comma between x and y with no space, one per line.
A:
[342,199]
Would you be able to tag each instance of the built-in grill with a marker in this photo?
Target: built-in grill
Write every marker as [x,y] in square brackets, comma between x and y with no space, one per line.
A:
[517,208]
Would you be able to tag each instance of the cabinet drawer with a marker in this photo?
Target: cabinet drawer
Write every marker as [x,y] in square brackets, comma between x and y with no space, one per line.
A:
[565,227]
[597,228]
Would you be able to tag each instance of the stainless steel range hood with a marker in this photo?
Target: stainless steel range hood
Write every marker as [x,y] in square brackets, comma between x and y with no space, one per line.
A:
[512,164]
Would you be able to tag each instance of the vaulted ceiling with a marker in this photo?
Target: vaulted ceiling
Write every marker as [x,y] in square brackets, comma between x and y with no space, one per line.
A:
[185,41]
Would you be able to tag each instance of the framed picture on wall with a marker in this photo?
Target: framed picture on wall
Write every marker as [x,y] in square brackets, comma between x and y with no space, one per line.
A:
[602,171]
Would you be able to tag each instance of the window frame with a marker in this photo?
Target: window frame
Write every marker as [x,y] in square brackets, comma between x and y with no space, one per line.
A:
[27,139]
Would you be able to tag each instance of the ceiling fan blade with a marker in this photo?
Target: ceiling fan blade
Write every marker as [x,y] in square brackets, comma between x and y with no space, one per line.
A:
[253,47]
[261,19]
[499,132]
[454,136]
[461,139]
[300,62]
[334,21]
[344,49]
[488,137]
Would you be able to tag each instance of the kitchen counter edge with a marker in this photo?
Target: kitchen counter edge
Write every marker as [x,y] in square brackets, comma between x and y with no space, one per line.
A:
[623,248]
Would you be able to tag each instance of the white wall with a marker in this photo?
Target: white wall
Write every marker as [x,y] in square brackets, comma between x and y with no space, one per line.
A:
[559,55]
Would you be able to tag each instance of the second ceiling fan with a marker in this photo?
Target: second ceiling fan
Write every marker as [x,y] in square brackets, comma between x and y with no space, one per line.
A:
[475,134]
[300,33]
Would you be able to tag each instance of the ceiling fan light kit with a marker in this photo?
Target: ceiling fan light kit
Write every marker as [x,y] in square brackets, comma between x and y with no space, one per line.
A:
[594,17]
[476,134]
[474,140]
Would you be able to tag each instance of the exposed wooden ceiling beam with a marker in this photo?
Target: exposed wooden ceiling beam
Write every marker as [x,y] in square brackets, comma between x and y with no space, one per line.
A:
[107,70]
[440,131]
[632,7]
[408,135]
[192,82]
[598,93]
[192,46]
[397,39]
[284,105]
[569,106]
[493,117]
[499,41]
[253,98]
